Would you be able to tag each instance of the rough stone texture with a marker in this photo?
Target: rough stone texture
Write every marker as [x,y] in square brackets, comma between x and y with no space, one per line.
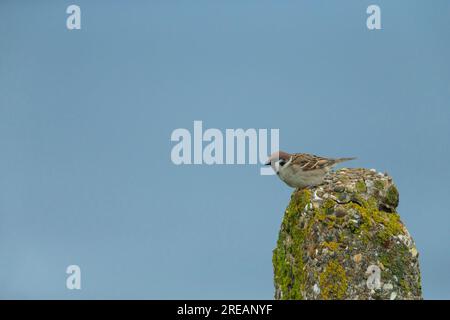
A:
[344,240]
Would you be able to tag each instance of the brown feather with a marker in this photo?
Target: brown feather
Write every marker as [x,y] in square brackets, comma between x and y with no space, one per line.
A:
[312,162]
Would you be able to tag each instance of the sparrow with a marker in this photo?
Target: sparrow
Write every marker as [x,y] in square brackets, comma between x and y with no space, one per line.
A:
[302,170]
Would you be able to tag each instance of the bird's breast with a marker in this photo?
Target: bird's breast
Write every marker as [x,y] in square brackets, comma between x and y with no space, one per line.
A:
[297,178]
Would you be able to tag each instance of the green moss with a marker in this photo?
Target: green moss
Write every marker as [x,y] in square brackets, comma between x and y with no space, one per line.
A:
[354,227]
[342,236]
[328,206]
[383,237]
[331,245]
[302,198]
[371,203]
[378,184]
[395,261]
[361,186]
[366,222]
[392,196]
[404,285]
[375,228]
[333,281]
[384,259]
[288,255]
[320,216]
[388,224]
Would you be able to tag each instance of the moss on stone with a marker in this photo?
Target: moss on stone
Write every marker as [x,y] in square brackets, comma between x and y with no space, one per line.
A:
[331,245]
[404,285]
[378,184]
[395,261]
[361,186]
[328,206]
[389,223]
[333,281]
[392,196]
[359,222]
[290,276]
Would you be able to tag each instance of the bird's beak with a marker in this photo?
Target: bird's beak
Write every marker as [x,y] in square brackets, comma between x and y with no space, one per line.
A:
[267,163]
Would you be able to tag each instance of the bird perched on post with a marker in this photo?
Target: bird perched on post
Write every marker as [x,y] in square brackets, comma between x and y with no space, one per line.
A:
[302,170]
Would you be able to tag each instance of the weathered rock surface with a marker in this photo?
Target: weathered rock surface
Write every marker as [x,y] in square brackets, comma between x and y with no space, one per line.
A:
[345,240]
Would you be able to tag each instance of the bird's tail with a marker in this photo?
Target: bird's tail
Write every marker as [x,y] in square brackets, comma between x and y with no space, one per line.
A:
[339,160]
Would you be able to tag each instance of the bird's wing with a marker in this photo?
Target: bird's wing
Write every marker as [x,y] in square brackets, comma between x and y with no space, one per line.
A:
[308,162]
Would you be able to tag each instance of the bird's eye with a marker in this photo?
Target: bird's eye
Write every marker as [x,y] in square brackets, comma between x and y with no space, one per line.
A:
[282,162]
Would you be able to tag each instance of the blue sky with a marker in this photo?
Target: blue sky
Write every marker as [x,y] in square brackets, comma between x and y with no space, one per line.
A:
[86,118]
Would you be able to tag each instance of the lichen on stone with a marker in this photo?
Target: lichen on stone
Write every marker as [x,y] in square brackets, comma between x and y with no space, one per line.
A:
[288,256]
[333,281]
[332,233]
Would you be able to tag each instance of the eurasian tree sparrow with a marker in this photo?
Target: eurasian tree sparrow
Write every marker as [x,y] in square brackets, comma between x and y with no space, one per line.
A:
[302,170]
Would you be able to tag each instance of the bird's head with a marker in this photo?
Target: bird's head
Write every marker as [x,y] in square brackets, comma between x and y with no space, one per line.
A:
[277,160]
